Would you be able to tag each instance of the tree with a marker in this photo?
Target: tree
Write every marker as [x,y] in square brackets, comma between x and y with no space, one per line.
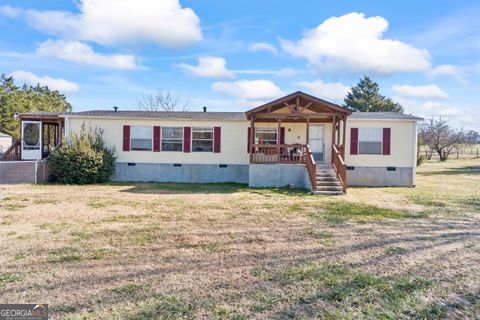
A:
[28,98]
[473,137]
[164,101]
[366,97]
[441,138]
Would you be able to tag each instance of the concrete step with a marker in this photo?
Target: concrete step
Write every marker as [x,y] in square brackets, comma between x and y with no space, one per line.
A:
[325,171]
[328,183]
[330,193]
[332,173]
[329,188]
[326,179]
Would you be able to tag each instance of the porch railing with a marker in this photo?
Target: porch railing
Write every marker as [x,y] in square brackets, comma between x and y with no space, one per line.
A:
[12,153]
[311,168]
[287,154]
[339,166]
[279,153]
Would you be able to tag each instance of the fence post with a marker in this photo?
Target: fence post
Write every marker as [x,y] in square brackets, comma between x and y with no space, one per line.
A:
[457,153]
[477,152]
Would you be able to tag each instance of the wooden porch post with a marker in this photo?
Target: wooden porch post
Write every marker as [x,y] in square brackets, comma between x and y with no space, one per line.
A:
[308,131]
[279,120]
[252,138]
[338,130]
[60,130]
[334,121]
[48,137]
[344,136]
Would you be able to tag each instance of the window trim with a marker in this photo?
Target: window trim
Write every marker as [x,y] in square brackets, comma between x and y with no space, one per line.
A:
[277,141]
[212,139]
[181,139]
[131,131]
[381,142]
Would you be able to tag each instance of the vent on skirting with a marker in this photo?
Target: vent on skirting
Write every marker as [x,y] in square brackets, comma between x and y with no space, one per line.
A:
[177,164]
[350,168]
[223,165]
[132,164]
[391,169]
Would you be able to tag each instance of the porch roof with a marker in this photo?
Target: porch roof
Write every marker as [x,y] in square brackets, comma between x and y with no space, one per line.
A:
[297,105]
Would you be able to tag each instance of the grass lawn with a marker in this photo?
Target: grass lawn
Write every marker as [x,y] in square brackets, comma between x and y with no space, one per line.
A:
[169,251]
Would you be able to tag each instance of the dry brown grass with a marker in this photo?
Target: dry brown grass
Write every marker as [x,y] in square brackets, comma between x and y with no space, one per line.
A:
[228,252]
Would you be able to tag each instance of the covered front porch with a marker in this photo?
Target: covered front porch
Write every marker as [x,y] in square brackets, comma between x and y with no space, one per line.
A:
[40,134]
[299,129]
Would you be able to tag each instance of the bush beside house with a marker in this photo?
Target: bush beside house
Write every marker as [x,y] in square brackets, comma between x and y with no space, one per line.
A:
[83,159]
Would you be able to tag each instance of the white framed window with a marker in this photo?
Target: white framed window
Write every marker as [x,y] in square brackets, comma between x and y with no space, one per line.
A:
[266,135]
[202,139]
[172,139]
[141,138]
[370,140]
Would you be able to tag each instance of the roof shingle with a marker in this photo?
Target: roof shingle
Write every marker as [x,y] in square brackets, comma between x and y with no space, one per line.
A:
[383,116]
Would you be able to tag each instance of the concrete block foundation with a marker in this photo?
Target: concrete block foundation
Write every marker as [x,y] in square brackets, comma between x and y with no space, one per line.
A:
[181,173]
[279,175]
[381,177]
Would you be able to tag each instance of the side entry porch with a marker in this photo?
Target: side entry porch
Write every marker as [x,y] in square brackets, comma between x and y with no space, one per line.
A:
[40,134]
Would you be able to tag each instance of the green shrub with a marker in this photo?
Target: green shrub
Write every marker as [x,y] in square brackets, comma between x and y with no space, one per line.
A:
[83,158]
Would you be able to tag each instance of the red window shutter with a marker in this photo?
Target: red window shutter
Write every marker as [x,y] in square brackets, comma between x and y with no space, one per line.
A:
[126,138]
[156,139]
[386,141]
[281,139]
[217,139]
[353,140]
[187,139]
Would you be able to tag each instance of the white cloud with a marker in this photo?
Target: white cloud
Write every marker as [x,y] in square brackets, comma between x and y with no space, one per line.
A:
[355,42]
[53,83]
[249,89]
[328,91]
[455,72]
[263,46]
[10,12]
[209,67]
[76,51]
[436,109]
[458,115]
[109,22]
[430,91]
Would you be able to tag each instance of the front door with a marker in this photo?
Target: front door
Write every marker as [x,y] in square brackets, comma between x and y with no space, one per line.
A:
[316,134]
[31,140]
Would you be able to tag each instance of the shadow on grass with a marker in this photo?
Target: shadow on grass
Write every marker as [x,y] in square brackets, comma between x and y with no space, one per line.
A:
[453,171]
[206,188]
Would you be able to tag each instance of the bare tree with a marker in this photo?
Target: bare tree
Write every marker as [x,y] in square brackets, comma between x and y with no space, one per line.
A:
[164,101]
[442,138]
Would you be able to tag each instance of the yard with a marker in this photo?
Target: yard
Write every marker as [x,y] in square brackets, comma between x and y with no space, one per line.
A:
[143,251]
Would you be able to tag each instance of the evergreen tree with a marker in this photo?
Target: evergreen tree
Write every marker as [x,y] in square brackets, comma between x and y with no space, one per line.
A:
[28,98]
[366,97]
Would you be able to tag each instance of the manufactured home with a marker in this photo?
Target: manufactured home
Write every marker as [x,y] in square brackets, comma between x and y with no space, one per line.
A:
[298,140]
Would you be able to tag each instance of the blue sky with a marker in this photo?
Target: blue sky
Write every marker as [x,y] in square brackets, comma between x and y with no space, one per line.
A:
[232,56]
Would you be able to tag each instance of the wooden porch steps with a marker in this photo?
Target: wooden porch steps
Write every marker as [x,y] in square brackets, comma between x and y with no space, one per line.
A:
[327,181]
